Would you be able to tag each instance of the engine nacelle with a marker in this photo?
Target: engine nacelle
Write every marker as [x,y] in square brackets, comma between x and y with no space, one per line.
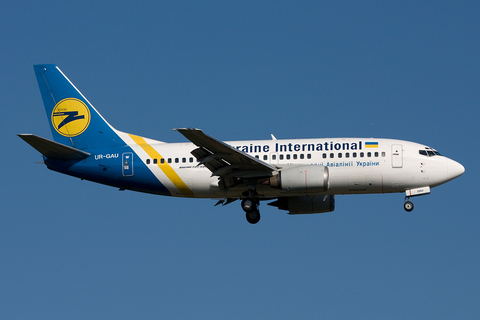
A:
[308,179]
[306,204]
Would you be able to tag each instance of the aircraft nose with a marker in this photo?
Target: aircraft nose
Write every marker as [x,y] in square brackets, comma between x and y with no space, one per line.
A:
[454,169]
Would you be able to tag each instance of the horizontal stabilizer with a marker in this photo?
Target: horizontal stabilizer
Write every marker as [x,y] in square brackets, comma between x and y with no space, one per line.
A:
[52,149]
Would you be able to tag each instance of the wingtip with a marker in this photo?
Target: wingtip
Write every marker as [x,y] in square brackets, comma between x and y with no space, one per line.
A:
[186,129]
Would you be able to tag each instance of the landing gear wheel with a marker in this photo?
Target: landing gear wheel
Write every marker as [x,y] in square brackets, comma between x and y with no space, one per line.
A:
[248,205]
[408,206]
[253,216]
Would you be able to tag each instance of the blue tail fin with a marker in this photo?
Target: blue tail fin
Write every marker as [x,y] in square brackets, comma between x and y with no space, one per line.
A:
[73,120]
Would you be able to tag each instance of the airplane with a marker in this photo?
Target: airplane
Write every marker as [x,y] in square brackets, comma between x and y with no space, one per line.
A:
[301,176]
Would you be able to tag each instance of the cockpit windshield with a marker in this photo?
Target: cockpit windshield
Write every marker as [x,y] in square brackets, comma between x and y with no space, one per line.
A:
[429,152]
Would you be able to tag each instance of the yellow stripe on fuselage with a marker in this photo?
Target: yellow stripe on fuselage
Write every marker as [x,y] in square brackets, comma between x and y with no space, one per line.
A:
[166,168]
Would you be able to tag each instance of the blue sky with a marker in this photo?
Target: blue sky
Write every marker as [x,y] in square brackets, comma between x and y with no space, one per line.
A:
[242,70]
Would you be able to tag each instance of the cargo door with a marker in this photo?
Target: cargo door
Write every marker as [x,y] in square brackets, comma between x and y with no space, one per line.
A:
[356,182]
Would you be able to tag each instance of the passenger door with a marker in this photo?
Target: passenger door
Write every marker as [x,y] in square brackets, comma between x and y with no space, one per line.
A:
[397,156]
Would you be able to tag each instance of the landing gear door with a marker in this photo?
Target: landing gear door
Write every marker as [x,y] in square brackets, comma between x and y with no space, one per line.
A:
[127,164]
[397,156]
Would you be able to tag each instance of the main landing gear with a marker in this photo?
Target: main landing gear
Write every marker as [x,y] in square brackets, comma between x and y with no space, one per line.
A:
[250,206]
[408,206]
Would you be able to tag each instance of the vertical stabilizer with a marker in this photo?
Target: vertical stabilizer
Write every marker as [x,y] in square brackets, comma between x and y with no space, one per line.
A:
[73,120]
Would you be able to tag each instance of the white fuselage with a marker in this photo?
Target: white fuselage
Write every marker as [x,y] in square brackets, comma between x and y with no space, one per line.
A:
[355,165]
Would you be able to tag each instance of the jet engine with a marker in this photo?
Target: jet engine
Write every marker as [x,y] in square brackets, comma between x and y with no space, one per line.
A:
[306,204]
[308,179]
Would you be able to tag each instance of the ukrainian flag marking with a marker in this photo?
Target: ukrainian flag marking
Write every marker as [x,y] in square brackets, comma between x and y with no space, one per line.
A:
[371,144]
[166,168]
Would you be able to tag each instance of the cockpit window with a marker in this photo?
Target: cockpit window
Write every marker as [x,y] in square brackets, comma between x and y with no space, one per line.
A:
[429,152]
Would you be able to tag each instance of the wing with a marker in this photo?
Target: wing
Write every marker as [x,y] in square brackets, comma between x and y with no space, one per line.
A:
[223,160]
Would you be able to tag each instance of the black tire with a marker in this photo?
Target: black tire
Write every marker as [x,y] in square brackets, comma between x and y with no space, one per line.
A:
[408,206]
[253,216]
[248,205]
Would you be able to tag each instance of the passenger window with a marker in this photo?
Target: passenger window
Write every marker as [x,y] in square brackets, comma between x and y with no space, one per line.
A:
[177,160]
[302,156]
[148,161]
[331,155]
[162,160]
[191,159]
[383,154]
[256,156]
[324,156]
[309,156]
[347,155]
[295,156]
[376,154]
[154,161]
[288,157]
[354,154]
[340,155]
[169,160]
[274,157]
[281,157]
[361,154]
[184,160]
[369,154]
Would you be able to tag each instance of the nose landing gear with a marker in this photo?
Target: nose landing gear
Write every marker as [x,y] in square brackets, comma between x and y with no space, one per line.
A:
[408,206]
